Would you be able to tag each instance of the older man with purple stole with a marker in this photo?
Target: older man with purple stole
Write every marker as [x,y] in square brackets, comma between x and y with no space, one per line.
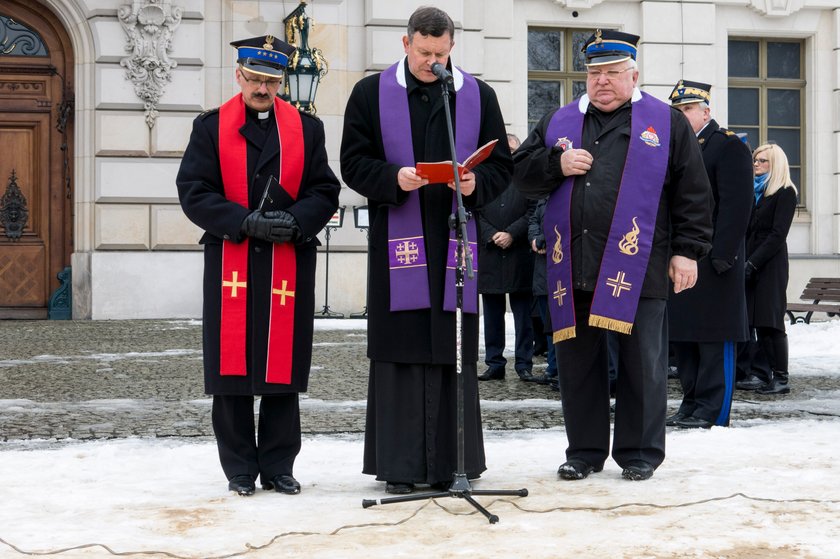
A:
[393,120]
[629,207]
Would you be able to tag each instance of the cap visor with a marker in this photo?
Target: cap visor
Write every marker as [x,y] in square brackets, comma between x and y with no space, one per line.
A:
[608,59]
[261,69]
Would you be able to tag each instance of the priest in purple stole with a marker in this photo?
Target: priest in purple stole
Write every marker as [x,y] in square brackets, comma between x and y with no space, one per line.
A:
[629,209]
[393,120]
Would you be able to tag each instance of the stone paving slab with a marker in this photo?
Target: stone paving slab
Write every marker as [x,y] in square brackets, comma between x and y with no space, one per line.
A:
[86,380]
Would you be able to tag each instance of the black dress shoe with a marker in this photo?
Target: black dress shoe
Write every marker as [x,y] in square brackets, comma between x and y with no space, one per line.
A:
[398,488]
[752,382]
[637,470]
[525,375]
[671,420]
[242,485]
[540,379]
[554,385]
[694,423]
[492,374]
[283,484]
[574,469]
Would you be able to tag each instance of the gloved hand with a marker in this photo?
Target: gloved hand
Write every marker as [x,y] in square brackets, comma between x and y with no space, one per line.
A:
[276,226]
[749,271]
[720,265]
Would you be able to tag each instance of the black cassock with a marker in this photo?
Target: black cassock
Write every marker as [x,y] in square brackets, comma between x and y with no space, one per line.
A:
[202,198]
[410,435]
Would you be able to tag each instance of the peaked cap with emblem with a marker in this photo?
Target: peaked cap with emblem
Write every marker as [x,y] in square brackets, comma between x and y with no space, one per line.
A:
[606,46]
[686,92]
[266,56]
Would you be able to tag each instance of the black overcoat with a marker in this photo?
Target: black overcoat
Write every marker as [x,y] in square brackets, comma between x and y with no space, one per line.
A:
[535,233]
[767,251]
[507,270]
[202,197]
[715,309]
[426,335]
[683,220]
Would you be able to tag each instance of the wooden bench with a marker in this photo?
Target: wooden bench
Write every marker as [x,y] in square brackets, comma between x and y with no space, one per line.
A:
[824,296]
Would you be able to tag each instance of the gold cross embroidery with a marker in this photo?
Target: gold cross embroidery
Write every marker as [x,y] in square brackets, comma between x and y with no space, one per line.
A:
[406,252]
[618,283]
[559,294]
[234,284]
[283,293]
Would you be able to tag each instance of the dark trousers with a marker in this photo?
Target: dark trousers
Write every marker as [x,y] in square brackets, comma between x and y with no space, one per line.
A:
[707,376]
[279,435]
[641,388]
[494,330]
[774,344]
[550,355]
[751,360]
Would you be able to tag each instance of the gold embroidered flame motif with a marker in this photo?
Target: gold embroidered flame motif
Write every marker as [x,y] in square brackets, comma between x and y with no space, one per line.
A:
[557,255]
[629,243]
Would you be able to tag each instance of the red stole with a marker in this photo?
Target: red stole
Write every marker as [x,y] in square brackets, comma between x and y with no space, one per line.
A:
[233,157]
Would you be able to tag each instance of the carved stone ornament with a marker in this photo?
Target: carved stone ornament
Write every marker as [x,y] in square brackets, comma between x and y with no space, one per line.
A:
[777,8]
[13,211]
[149,25]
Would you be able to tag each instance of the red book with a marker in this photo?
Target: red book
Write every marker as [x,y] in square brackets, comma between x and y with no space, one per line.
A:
[442,170]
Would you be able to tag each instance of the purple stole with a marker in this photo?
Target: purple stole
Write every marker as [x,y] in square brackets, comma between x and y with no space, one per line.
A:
[625,259]
[409,279]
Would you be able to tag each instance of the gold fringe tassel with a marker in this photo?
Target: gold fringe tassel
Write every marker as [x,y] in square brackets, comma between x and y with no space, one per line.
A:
[564,334]
[610,324]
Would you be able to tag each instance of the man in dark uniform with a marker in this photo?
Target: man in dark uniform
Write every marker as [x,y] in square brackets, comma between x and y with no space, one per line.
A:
[255,177]
[393,120]
[629,208]
[707,322]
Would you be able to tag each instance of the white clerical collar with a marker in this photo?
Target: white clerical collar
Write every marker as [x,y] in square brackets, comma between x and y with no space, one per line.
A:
[263,115]
[583,102]
[457,75]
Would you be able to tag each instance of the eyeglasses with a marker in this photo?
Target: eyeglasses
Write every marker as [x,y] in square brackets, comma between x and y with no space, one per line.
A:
[760,160]
[269,82]
[595,75]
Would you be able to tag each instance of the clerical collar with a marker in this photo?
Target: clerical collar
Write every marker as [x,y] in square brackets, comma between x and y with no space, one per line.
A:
[257,114]
[412,83]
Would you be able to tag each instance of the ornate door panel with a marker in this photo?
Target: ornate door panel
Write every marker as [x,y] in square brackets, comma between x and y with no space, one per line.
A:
[35,154]
[24,189]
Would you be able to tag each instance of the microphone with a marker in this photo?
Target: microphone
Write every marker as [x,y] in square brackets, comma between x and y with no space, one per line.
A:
[441,72]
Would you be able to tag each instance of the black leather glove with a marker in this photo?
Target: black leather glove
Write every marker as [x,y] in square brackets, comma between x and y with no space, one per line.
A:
[275,227]
[749,271]
[720,265]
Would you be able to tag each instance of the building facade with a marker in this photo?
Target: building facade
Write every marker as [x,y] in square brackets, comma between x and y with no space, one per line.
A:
[97,98]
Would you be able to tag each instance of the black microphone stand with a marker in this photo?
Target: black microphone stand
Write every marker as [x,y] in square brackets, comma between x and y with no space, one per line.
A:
[460,488]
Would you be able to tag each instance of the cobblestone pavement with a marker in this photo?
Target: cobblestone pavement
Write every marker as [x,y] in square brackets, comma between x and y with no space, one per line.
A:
[82,380]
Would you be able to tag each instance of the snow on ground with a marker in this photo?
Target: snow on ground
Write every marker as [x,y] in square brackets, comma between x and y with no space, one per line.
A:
[757,489]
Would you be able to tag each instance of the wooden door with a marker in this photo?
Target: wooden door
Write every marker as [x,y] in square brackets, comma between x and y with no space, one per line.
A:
[35,155]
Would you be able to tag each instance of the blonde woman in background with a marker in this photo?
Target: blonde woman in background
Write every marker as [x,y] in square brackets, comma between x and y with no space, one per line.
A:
[767,260]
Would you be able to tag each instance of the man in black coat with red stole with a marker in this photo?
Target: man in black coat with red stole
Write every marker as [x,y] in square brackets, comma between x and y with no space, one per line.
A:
[255,177]
[707,322]
[393,120]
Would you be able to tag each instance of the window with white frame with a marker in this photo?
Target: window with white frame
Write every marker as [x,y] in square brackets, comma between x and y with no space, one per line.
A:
[556,69]
[767,97]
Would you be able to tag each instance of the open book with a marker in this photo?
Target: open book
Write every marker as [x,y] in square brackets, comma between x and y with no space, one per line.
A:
[442,170]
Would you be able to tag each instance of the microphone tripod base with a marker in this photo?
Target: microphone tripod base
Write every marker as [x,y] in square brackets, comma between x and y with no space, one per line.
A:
[460,489]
